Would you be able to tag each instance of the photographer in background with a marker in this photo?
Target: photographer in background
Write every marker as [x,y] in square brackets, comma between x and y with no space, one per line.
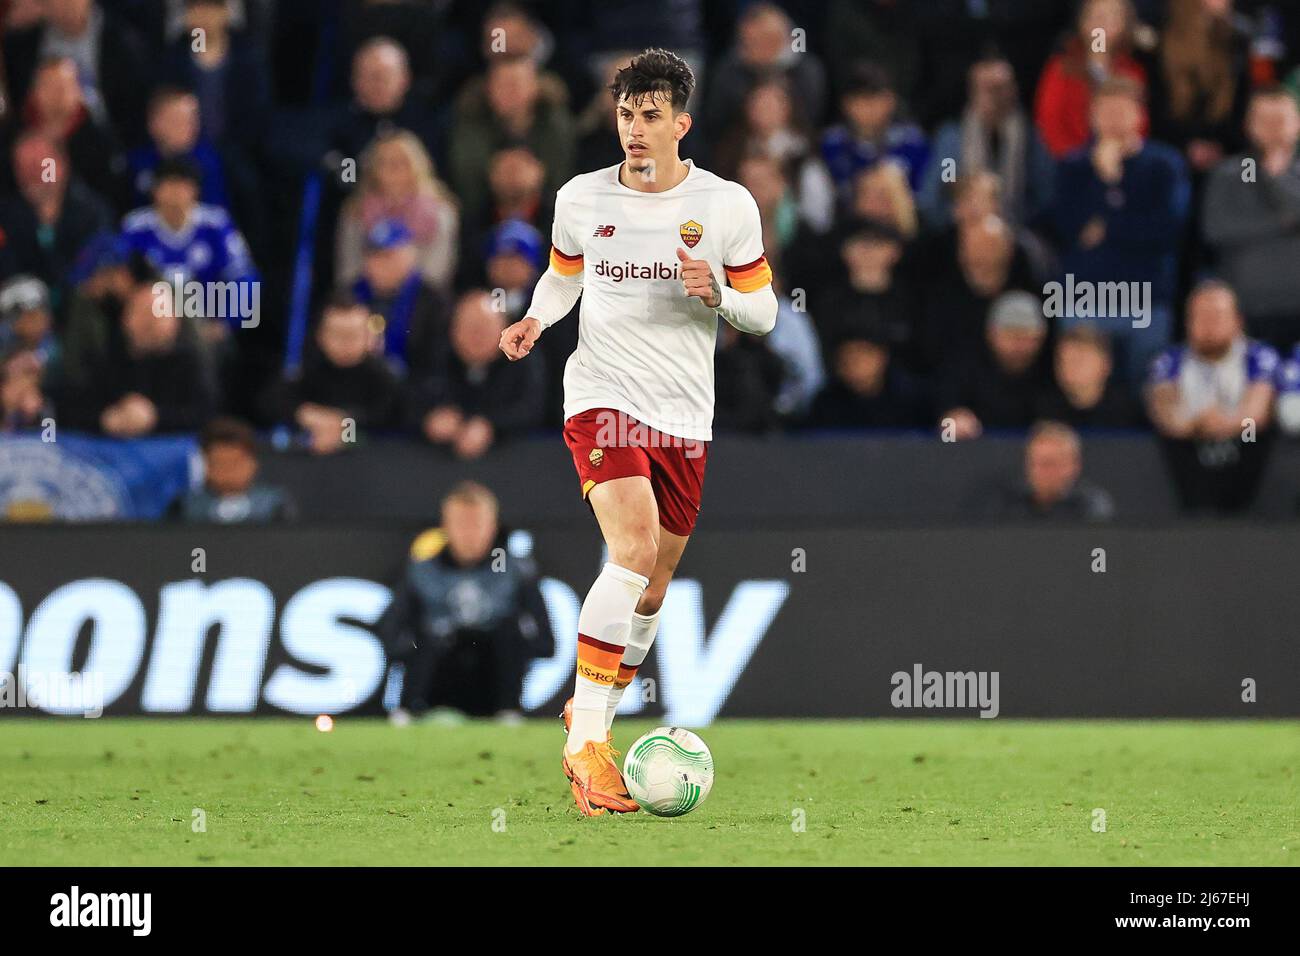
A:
[467,617]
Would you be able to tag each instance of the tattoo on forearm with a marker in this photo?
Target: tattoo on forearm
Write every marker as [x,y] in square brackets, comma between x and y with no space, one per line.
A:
[715,291]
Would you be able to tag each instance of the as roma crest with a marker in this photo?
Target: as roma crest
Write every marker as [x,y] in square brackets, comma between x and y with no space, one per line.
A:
[692,232]
[596,457]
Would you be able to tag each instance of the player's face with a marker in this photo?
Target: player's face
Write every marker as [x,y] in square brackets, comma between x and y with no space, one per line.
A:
[649,131]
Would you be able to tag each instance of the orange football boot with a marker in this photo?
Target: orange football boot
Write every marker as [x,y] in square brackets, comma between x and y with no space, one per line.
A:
[597,785]
[621,792]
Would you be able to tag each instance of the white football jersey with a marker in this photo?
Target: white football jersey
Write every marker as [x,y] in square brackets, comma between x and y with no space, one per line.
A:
[644,346]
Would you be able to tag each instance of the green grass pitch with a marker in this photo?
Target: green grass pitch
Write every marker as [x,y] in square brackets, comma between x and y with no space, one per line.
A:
[279,792]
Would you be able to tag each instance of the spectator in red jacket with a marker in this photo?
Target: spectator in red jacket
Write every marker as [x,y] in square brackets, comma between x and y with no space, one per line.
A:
[1100,48]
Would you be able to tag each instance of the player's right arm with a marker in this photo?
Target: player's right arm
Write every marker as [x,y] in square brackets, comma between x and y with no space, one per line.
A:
[558,288]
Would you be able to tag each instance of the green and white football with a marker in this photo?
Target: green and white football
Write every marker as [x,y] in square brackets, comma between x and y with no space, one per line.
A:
[669,771]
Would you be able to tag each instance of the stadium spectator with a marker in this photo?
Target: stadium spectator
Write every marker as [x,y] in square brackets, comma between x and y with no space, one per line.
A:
[50,219]
[767,126]
[510,28]
[766,180]
[1211,401]
[24,402]
[1120,207]
[227,74]
[871,132]
[955,294]
[997,388]
[1083,392]
[868,388]
[872,296]
[1251,218]
[879,31]
[230,493]
[514,256]
[883,192]
[763,49]
[56,107]
[977,197]
[466,617]
[409,315]
[994,134]
[1198,90]
[630,26]
[111,59]
[420,29]
[1053,488]
[1287,383]
[175,132]
[382,100]
[27,324]
[596,125]
[514,107]
[484,396]
[344,388]
[1100,49]
[516,179]
[189,241]
[101,281]
[795,340]
[155,375]
[398,182]
[748,376]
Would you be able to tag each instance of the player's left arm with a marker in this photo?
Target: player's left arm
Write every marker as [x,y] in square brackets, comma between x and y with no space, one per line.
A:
[747,302]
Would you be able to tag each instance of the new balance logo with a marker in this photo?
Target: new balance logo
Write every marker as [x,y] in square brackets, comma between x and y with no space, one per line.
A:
[604,232]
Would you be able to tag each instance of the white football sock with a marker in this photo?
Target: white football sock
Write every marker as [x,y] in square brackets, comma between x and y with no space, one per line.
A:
[639,638]
[603,626]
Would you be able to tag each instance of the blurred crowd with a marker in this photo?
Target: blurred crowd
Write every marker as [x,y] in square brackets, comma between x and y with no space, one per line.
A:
[980,214]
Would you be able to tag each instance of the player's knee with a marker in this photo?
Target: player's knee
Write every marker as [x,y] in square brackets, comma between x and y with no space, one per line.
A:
[636,552]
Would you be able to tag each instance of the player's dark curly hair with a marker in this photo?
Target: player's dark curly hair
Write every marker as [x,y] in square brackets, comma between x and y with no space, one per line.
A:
[655,71]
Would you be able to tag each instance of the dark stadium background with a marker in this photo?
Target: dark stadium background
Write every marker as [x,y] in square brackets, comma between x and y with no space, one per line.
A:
[918,549]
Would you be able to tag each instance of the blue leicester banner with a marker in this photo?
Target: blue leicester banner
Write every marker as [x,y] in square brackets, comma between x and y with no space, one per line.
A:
[82,478]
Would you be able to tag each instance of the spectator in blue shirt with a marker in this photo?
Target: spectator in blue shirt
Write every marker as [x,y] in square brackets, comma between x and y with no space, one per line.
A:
[872,132]
[189,241]
[1120,206]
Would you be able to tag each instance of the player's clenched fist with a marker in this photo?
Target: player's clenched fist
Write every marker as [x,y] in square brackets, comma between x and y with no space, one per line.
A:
[698,280]
[517,340]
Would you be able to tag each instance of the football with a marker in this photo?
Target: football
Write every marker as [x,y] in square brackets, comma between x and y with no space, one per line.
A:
[669,771]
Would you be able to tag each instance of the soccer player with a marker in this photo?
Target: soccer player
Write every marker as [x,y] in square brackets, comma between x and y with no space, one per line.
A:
[647,244]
